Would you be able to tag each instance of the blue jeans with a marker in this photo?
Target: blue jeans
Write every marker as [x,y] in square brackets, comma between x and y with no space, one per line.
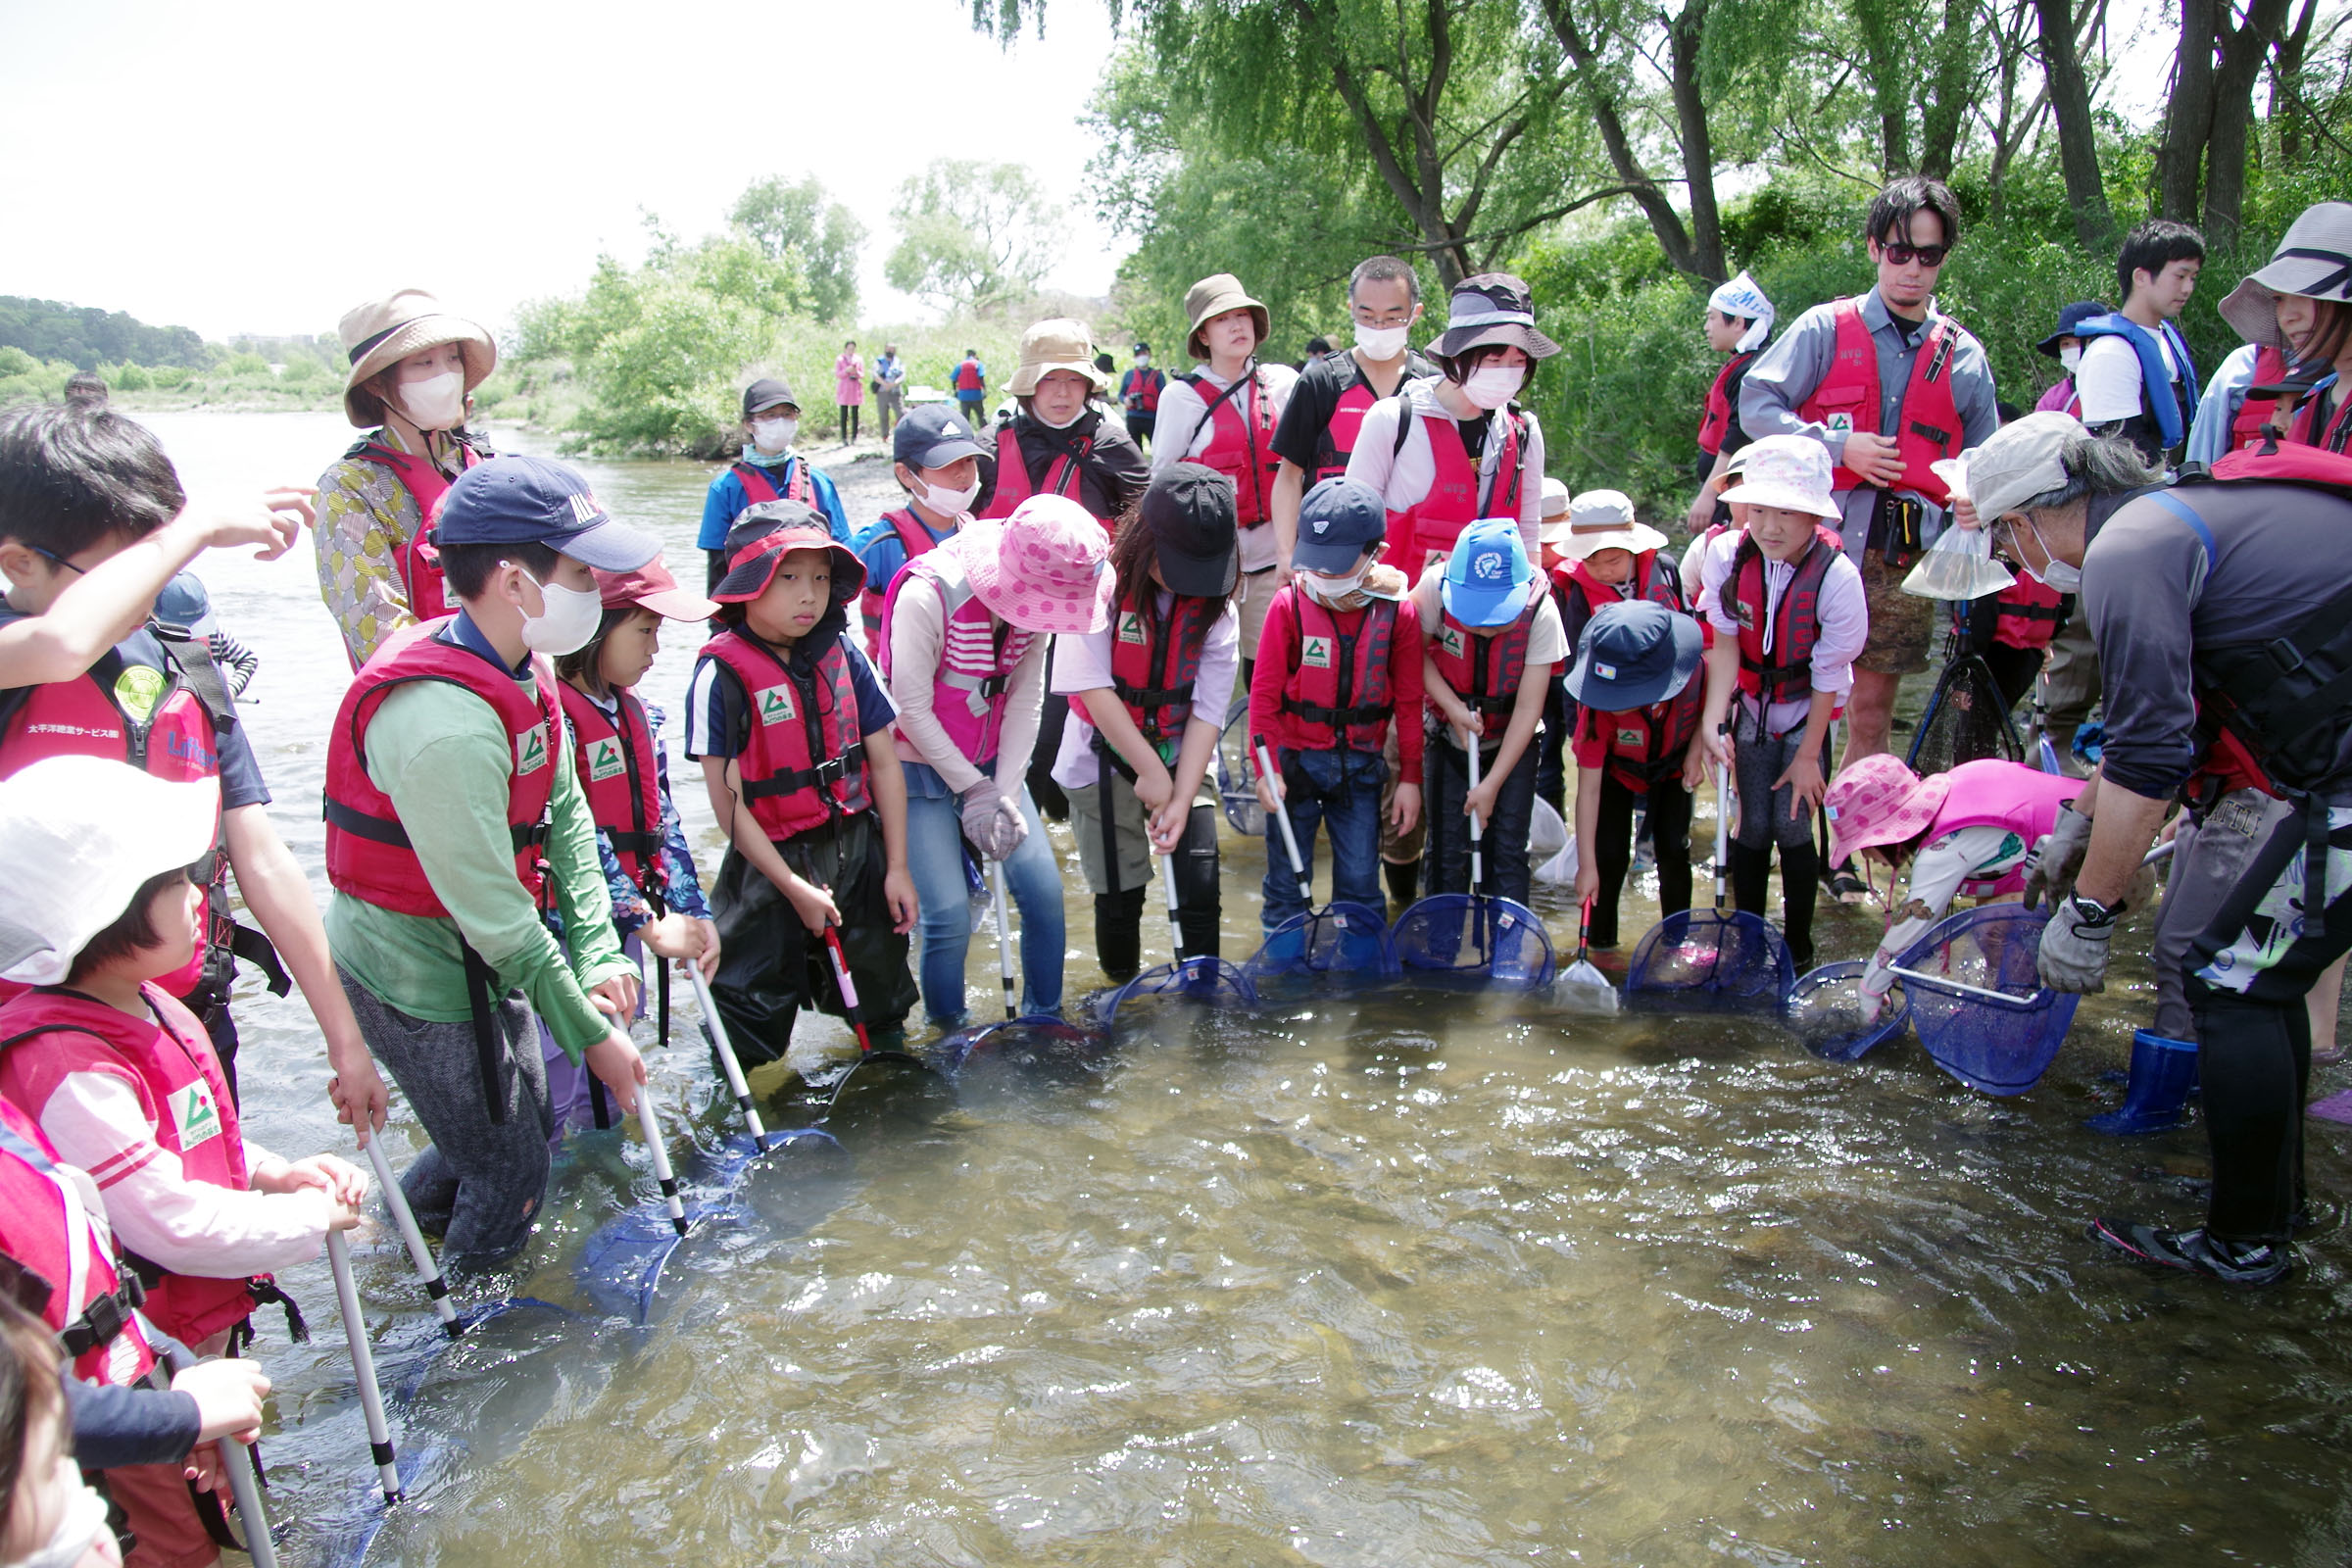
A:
[935,858]
[1342,791]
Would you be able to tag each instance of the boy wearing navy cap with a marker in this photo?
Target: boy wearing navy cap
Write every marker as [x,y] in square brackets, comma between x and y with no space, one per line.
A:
[936,459]
[457,723]
[1637,738]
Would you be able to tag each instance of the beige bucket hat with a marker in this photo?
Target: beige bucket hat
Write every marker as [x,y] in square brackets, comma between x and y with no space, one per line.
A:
[383,333]
[1060,344]
[1215,296]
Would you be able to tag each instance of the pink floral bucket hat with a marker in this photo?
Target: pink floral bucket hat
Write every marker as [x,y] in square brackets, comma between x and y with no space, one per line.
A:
[1878,801]
[1045,568]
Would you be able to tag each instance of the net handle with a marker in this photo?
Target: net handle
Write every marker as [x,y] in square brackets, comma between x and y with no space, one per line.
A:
[1282,814]
[2000,998]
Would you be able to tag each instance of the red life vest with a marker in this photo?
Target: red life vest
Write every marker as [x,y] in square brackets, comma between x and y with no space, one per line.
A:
[1786,673]
[413,559]
[804,761]
[1429,525]
[368,851]
[916,540]
[1716,422]
[1153,663]
[50,1033]
[614,758]
[1139,390]
[1241,442]
[1013,486]
[2245,427]
[1646,745]
[2028,613]
[1338,437]
[53,1225]
[1583,594]
[151,715]
[2339,422]
[1339,677]
[759,485]
[1484,672]
[969,376]
[1929,419]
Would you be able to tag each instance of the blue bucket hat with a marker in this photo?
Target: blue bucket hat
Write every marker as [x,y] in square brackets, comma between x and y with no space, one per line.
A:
[1633,654]
[1488,578]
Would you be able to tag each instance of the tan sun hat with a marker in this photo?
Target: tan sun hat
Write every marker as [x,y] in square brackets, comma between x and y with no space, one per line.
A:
[1060,344]
[1215,296]
[383,333]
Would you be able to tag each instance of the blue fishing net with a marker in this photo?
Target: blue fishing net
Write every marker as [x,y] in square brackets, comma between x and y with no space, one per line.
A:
[1825,1012]
[1205,980]
[1711,961]
[1474,937]
[2001,1044]
[1347,942]
[1237,773]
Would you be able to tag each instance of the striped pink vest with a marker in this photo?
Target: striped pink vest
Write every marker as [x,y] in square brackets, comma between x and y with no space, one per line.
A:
[978,653]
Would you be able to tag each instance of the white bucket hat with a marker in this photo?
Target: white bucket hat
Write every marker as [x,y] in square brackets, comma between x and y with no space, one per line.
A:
[78,835]
[1790,472]
[2314,258]
[1741,297]
[1554,514]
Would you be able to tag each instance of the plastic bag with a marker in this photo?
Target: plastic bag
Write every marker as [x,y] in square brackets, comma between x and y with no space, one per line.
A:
[1959,565]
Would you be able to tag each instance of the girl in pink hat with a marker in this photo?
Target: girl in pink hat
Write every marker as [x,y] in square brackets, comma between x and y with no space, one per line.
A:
[965,634]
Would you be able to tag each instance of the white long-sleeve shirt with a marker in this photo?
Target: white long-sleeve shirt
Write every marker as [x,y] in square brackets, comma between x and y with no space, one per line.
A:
[1843,609]
[1983,854]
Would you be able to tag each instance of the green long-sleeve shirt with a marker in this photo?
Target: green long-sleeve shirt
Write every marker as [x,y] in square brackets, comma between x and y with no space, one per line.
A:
[441,753]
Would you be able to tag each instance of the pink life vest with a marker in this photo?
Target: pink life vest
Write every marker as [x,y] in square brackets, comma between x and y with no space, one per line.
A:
[978,653]
[1995,793]
[53,1225]
[414,560]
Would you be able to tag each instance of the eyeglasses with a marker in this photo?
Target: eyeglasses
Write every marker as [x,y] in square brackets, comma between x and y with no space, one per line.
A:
[1929,256]
[56,559]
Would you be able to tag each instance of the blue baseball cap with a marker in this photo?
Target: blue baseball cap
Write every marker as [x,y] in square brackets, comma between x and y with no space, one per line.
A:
[1487,579]
[1633,652]
[1341,521]
[522,501]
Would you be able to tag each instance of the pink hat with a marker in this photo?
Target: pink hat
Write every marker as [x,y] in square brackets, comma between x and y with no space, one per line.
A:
[652,587]
[1878,801]
[1045,568]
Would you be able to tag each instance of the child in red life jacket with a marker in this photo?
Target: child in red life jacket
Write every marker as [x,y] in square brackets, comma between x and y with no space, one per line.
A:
[1789,615]
[1341,658]
[1637,738]
[1492,640]
[1149,695]
[617,748]
[51,1515]
[1739,326]
[936,459]
[793,732]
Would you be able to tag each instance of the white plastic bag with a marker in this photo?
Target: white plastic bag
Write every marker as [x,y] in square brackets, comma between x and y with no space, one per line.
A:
[1959,565]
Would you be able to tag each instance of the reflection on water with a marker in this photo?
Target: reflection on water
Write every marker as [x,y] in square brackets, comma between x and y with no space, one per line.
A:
[1409,1279]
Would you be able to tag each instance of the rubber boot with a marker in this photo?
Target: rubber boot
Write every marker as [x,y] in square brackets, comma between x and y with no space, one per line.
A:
[2156,1098]
[1405,880]
[1118,932]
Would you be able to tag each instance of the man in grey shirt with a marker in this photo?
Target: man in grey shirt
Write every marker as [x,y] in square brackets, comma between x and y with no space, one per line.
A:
[1801,386]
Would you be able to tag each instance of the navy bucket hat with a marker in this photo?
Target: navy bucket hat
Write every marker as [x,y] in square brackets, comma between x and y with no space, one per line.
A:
[1633,654]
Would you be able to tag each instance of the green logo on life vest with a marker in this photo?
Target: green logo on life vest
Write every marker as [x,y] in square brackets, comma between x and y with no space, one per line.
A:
[1632,739]
[194,1115]
[775,704]
[1839,423]
[138,689]
[605,761]
[1131,629]
[1450,638]
[530,750]
[1316,655]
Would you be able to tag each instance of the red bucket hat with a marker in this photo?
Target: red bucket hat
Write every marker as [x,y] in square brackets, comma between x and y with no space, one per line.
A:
[1878,801]
[767,532]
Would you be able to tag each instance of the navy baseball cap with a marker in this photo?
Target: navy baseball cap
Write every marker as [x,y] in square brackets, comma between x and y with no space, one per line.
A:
[1633,652]
[2072,316]
[1340,521]
[932,437]
[522,501]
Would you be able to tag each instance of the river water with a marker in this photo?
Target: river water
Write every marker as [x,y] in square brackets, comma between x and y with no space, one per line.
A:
[1420,1279]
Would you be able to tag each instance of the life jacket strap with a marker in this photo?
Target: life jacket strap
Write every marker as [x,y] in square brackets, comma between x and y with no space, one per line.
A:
[832,770]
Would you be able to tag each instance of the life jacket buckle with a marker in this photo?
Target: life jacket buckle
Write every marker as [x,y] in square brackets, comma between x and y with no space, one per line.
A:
[2284,655]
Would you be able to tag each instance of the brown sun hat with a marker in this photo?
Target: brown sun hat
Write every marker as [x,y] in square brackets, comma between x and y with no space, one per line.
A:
[1493,308]
[1215,296]
[1060,344]
[383,333]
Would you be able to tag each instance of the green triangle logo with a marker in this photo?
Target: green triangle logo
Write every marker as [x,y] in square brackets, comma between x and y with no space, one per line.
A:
[605,761]
[775,704]
[530,750]
[194,1115]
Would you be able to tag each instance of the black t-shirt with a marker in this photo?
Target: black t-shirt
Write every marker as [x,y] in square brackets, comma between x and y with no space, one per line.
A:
[1316,397]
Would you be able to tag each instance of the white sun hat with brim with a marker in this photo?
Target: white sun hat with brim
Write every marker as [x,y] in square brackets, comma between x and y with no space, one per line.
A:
[383,333]
[1790,472]
[1553,512]
[2314,258]
[78,837]
[1603,519]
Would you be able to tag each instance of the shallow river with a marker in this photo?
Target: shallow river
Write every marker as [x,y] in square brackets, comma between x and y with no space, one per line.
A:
[1420,1280]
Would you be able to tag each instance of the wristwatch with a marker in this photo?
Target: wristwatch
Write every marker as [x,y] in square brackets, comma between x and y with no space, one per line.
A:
[2090,913]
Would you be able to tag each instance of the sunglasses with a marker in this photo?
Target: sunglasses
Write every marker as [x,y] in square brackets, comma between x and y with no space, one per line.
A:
[1924,254]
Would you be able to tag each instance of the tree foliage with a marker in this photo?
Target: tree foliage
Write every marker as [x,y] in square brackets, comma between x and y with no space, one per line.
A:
[86,337]
[798,226]
[974,236]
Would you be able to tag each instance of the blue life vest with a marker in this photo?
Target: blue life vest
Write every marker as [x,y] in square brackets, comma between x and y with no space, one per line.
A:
[2156,393]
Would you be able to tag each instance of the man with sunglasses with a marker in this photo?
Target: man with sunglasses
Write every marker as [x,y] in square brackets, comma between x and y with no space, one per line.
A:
[1889,384]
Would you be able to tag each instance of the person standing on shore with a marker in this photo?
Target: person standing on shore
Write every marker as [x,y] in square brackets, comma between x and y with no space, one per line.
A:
[413,367]
[849,392]
[969,379]
[890,391]
[770,469]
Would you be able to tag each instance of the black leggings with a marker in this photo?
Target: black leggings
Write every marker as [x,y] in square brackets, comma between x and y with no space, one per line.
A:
[1118,916]
[849,419]
[1614,849]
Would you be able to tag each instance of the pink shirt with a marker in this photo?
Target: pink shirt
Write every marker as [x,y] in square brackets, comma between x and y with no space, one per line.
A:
[849,378]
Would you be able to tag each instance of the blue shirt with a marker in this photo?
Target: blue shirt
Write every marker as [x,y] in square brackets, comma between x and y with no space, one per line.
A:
[726,500]
[719,717]
[885,552]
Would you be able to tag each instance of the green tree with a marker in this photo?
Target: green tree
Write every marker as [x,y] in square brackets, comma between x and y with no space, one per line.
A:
[974,236]
[798,224]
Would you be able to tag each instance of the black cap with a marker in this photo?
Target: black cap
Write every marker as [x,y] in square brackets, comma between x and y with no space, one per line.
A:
[525,500]
[1188,508]
[1143,347]
[933,436]
[2072,316]
[1340,521]
[767,393]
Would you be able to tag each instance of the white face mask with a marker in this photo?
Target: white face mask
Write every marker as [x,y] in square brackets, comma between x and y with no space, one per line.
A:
[774,435]
[1332,590]
[1494,385]
[1381,343]
[567,623]
[2054,573]
[436,403]
[2071,356]
[949,503]
[78,1527]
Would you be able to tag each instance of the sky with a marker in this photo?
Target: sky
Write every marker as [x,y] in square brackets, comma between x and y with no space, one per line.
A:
[264,166]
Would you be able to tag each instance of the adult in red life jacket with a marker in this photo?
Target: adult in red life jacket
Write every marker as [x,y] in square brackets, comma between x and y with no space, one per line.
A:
[2136,379]
[1739,326]
[1318,429]
[1223,414]
[439,934]
[1637,741]
[414,369]
[1140,387]
[2061,344]
[792,731]
[769,468]
[1148,693]
[2222,606]
[2300,305]
[81,489]
[1458,447]
[658,904]
[936,459]
[1887,384]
